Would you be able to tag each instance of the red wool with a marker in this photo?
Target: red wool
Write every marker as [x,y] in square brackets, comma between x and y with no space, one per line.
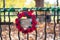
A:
[28,30]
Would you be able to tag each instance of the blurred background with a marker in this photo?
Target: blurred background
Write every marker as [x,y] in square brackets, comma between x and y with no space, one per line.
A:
[29,3]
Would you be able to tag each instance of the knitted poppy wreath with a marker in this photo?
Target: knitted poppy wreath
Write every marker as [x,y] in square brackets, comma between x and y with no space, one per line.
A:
[30,15]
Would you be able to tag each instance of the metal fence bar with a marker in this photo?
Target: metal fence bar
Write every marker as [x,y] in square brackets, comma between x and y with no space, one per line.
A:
[18,32]
[18,35]
[59,30]
[36,35]
[45,25]
[27,36]
[4,17]
[36,27]
[0,28]
[36,9]
[0,32]
[54,26]
[9,25]
[37,15]
[57,16]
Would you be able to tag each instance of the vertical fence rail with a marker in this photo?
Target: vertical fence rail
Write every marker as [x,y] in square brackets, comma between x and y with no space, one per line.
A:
[57,17]
[27,36]
[45,25]
[0,27]
[36,27]
[9,25]
[54,26]
[18,35]
[59,29]
[57,12]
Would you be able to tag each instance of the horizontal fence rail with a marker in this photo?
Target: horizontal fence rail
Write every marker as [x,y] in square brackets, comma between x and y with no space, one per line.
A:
[37,9]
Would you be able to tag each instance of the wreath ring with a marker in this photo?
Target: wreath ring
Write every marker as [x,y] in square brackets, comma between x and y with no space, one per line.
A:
[34,22]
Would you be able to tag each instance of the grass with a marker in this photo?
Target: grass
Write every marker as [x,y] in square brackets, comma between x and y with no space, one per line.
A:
[12,18]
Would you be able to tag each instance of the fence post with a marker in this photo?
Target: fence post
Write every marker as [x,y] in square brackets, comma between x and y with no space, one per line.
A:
[0,28]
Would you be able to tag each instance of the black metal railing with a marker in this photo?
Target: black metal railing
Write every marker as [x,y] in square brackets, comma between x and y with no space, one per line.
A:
[9,23]
[4,10]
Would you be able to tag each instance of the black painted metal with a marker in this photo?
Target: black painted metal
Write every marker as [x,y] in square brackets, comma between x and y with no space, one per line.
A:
[54,26]
[45,26]
[36,29]
[9,25]
[18,35]
[0,27]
